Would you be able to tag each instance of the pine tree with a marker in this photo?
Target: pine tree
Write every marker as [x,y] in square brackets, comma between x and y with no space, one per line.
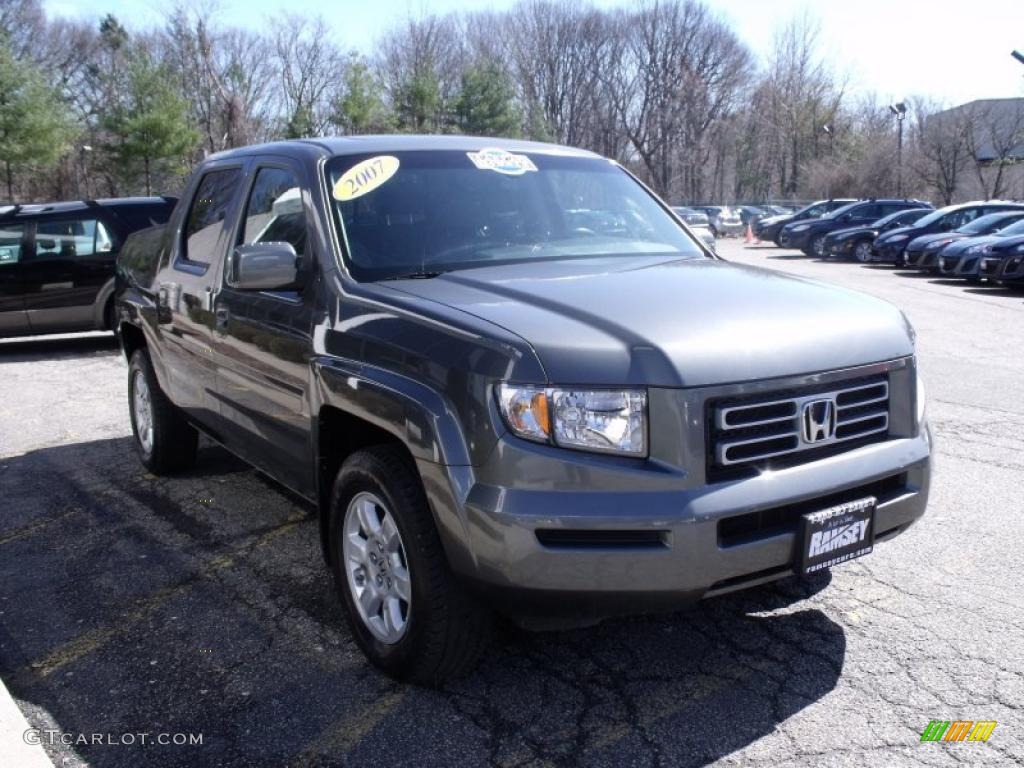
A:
[360,108]
[149,130]
[486,103]
[36,129]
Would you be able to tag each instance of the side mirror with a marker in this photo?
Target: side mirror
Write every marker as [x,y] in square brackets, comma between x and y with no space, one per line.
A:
[270,266]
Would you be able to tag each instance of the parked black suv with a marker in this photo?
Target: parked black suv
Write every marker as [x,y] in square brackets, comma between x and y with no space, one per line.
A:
[770,228]
[891,246]
[809,236]
[57,261]
[855,242]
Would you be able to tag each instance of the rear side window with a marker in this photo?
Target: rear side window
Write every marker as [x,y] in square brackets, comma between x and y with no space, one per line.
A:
[137,217]
[210,206]
[11,237]
[72,238]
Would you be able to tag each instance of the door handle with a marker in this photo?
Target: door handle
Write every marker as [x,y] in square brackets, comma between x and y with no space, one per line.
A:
[222,316]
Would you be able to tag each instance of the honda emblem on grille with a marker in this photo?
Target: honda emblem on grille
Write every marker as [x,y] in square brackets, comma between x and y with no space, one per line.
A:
[819,421]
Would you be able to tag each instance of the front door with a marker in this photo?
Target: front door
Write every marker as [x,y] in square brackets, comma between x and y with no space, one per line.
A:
[13,246]
[185,290]
[262,339]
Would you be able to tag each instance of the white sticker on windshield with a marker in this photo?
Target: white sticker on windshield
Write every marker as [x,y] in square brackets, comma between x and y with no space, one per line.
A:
[502,161]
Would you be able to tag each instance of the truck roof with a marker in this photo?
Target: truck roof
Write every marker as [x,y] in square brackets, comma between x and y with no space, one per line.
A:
[357,145]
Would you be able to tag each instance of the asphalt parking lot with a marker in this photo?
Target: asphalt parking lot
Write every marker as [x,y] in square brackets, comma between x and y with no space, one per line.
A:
[200,604]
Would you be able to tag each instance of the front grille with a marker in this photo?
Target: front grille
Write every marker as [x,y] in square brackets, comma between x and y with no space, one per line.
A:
[949,262]
[970,265]
[784,428]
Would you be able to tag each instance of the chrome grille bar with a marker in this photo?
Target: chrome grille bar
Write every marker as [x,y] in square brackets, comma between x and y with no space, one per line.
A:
[756,430]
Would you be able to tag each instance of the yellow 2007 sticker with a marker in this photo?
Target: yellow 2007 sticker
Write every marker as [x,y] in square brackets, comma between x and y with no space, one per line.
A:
[365,177]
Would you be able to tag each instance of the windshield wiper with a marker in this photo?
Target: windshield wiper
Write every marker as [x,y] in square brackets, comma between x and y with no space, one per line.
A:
[420,274]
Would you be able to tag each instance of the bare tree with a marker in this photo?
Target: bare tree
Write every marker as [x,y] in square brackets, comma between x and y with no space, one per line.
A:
[678,71]
[310,70]
[940,147]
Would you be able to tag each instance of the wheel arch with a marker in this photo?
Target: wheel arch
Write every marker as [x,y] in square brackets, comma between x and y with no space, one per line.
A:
[357,407]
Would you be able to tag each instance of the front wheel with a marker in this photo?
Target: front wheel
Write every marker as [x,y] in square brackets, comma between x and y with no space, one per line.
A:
[862,252]
[816,247]
[164,440]
[408,613]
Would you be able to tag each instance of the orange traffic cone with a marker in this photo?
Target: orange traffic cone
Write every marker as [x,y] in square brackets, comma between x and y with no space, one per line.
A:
[750,235]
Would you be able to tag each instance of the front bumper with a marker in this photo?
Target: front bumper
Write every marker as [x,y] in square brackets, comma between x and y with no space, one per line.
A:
[888,253]
[842,249]
[1012,269]
[730,229]
[926,260]
[585,535]
[988,266]
[960,265]
[797,240]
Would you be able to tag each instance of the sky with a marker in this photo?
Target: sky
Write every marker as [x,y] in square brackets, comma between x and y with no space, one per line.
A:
[951,50]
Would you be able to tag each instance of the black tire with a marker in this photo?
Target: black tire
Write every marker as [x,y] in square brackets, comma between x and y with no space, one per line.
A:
[109,320]
[174,441]
[816,247]
[447,628]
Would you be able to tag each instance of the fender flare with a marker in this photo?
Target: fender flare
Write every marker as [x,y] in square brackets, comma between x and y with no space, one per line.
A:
[417,416]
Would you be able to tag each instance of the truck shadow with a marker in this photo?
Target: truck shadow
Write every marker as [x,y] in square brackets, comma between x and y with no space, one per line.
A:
[201,604]
[63,347]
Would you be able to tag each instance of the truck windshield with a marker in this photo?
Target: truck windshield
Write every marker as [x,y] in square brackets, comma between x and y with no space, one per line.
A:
[420,213]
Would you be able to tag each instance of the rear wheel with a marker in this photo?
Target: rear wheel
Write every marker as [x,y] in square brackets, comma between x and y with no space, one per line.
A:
[164,440]
[862,252]
[408,612]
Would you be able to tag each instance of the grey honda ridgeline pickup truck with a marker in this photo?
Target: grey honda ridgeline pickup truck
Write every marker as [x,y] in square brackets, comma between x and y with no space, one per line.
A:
[511,379]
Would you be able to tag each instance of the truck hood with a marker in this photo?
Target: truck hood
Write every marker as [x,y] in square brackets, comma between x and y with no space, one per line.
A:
[672,322]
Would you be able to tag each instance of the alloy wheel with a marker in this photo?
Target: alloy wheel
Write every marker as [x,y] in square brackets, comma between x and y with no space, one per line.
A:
[863,252]
[377,568]
[142,409]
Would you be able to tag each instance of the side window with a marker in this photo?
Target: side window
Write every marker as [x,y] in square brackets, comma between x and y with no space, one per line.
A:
[11,238]
[867,213]
[71,238]
[274,211]
[209,208]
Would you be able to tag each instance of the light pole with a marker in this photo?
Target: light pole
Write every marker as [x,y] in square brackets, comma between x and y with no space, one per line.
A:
[899,109]
[828,131]
[83,171]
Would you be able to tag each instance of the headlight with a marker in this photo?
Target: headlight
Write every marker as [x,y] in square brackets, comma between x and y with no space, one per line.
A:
[800,227]
[1019,248]
[590,420]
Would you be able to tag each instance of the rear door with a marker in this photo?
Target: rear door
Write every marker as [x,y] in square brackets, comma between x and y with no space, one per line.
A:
[262,340]
[185,286]
[70,258]
[13,247]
